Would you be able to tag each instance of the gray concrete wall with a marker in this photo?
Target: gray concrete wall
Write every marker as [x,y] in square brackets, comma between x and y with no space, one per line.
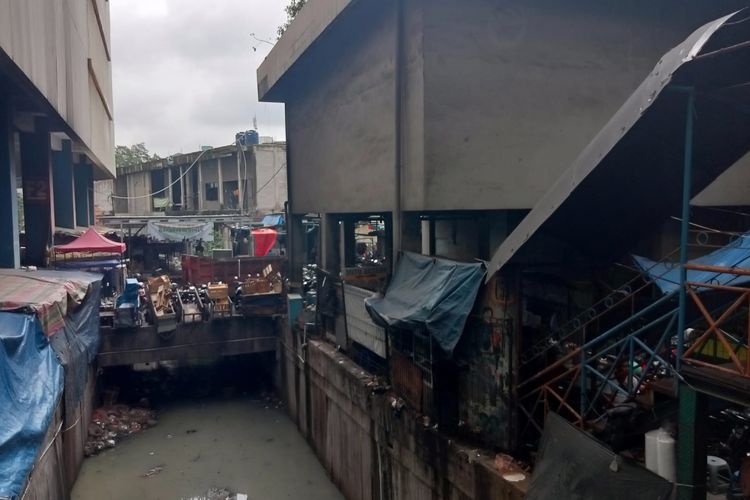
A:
[515,91]
[370,447]
[270,177]
[62,48]
[497,98]
[103,201]
[340,125]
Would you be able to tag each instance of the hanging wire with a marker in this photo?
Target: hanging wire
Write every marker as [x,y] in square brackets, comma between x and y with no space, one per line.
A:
[114,196]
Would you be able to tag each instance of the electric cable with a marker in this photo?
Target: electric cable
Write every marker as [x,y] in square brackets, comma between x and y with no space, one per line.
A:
[114,196]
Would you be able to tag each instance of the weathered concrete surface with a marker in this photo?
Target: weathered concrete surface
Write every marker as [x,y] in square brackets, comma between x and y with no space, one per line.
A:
[370,449]
[61,455]
[63,50]
[497,98]
[190,341]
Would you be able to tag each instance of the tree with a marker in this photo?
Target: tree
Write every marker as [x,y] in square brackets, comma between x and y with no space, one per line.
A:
[291,12]
[133,155]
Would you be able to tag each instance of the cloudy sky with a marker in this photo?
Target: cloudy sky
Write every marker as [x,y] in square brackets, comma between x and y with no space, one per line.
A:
[184,71]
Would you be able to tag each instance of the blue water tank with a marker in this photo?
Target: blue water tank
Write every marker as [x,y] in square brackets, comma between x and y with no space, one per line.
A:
[247,138]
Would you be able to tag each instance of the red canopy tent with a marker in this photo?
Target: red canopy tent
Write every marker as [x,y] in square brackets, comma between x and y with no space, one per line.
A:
[91,241]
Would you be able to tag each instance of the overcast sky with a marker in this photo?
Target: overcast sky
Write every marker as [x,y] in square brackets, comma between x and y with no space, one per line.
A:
[184,71]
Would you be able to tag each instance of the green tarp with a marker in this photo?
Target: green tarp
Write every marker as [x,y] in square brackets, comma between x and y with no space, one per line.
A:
[430,294]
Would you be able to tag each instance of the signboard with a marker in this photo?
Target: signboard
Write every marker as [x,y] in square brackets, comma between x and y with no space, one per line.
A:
[180,231]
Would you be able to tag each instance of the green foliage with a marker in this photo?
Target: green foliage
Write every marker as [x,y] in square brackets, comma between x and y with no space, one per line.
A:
[133,155]
[291,12]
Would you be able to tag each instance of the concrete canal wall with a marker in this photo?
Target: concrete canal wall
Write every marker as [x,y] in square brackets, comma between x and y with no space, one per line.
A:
[60,458]
[371,446]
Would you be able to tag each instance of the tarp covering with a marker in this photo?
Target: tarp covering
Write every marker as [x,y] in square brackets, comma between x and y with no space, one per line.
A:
[46,293]
[91,241]
[179,231]
[77,344]
[265,239]
[431,294]
[574,466]
[666,275]
[31,381]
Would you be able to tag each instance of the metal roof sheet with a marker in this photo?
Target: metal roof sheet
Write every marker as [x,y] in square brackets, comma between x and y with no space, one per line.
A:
[629,178]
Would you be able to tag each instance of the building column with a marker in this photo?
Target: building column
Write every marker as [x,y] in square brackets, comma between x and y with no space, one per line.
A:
[221,185]
[182,190]
[83,182]
[201,187]
[691,444]
[296,248]
[329,255]
[10,253]
[62,186]
[38,206]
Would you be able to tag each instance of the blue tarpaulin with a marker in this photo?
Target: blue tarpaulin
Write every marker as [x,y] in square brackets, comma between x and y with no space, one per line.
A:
[666,275]
[431,294]
[31,382]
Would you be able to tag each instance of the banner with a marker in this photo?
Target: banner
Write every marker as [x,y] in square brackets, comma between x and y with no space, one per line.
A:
[179,231]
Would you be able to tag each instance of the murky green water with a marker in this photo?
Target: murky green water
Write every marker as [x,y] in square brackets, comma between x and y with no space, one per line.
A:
[242,443]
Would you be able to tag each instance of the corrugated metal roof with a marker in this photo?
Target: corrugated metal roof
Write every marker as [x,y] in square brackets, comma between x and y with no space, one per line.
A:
[628,179]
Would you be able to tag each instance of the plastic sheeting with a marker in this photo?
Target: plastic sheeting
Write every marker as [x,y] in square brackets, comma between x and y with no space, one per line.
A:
[667,275]
[573,465]
[31,381]
[428,293]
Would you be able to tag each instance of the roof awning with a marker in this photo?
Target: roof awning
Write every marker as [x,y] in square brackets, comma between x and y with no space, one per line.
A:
[429,294]
[91,241]
[629,178]
[666,275]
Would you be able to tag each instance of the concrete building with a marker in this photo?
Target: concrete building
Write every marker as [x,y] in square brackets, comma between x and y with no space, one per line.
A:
[204,182]
[56,130]
[450,119]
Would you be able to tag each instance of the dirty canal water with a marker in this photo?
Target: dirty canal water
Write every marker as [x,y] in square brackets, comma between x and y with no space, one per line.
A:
[219,431]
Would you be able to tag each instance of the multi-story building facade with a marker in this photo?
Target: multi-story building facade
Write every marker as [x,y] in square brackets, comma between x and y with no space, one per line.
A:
[228,179]
[56,128]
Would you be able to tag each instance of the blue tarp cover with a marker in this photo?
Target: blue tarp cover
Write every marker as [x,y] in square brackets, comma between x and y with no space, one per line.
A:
[667,275]
[431,294]
[31,382]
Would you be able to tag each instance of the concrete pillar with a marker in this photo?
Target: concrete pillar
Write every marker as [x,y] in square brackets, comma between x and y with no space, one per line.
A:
[182,190]
[62,186]
[168,180]
[10,254]
[296,248]
[221,184]
[83,181]
[691,444]
[200,190]
[38,207]
[329,235]
[426,230]
[349,242]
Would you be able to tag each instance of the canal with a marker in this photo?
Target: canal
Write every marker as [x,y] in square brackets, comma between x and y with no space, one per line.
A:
[218,428]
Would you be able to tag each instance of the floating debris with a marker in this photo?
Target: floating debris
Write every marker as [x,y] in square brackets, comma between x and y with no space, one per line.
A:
[153,471]
[110,424]
[218,494]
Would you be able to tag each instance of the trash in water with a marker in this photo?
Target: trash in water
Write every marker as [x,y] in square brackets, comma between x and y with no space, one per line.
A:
[153,471]
[191,431]
[219,494]
[109,424]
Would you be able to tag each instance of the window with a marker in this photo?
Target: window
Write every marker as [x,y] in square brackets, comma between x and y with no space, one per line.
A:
[212,191]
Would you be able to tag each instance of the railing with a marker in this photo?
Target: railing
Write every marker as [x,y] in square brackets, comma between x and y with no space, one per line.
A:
[716,348]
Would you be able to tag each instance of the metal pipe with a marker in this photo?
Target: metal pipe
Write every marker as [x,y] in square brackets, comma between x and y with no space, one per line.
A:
[687,173]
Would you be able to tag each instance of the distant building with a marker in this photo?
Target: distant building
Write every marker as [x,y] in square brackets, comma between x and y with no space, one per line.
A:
[226,179]
[56,129]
